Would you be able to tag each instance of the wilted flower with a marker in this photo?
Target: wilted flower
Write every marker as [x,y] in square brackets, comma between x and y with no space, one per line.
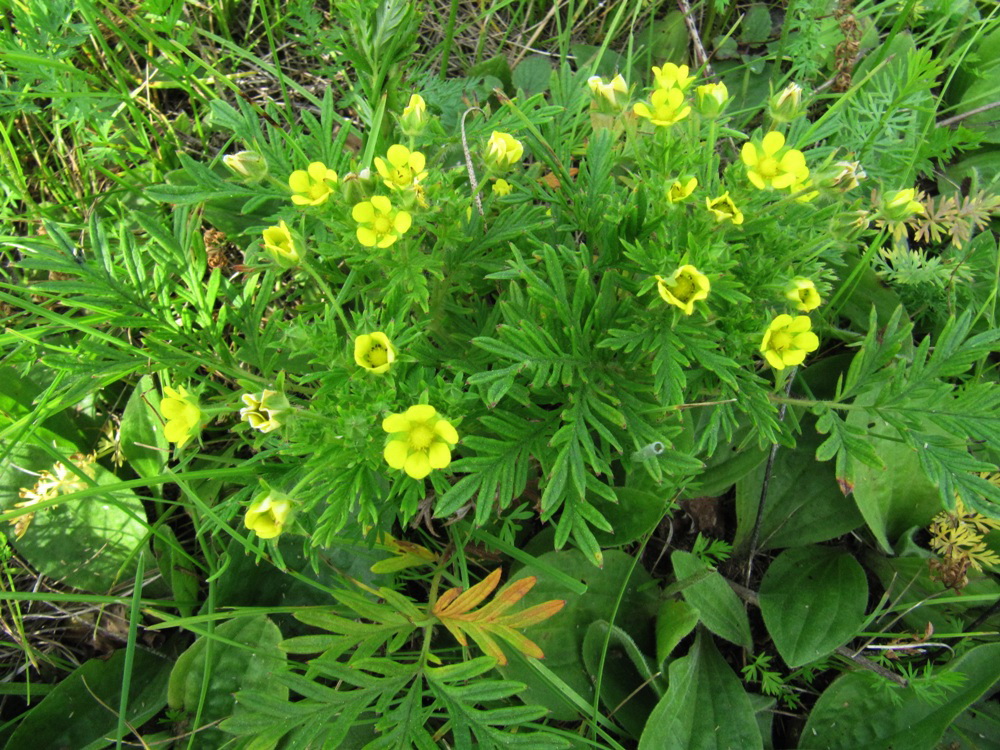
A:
[414,117]
[712,98]
[374,352]
[404,170]
[420,440]
[61,480]
[672,76]
[281,246]
[771,165]
[608,90]
[312,186]
[788,340]
[503,151]
[267,516]
[666,106]
[681,189]
[379,224]
[249,165]
[803,293]
[900,205]
[264,410]
[684,287]
[723,209]
[786,105]
[183,415]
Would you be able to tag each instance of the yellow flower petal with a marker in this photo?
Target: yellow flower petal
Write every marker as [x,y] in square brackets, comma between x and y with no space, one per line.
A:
[417,465]
[381,204]
[773,143]
[363,212]
[444,430]
[421,413]
[395,453]
[367,237]
[438,455]
[396,423]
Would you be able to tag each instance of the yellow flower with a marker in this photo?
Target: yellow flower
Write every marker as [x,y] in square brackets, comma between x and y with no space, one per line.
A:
[405,168]
[803,293]
[182,413]
[51,484]
[374,352]
[414,118]
[249,165]
[684,287]
[503,150]
[312,186]
[724,209]
[788,340]
[771,165]
[280,245]
[420,440]
[900,205]
[712,98]
[264,410]
[609,90]
[681,189]
[379,224]
[267,516]
[786,105]
[668,107]
[502,187]
[672,76]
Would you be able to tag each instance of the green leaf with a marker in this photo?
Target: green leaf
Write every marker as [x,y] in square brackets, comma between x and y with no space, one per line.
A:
[242,654]
[756,26]
[897,497]
[625,667]
[813,600]
[804,503]
[532,74]
[861,710]
[76,713]
[705,707]
[561,637]
[142,440]
[636,513]
[86,542]
[675,620]
[718,606]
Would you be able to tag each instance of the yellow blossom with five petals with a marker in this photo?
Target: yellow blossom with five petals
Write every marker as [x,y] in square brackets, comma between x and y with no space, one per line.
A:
[770,165]
[421,440]
[803,293]
[681,189]
[684,287]
[672,76]
[404,169]
[788,340]
[723,209]
[666,106]
[374,352]
[379,224]
[313,185]
[183,415]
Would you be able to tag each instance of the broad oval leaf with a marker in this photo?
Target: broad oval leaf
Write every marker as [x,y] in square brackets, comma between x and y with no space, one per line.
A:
[718,606]
[705,706]
[813,600]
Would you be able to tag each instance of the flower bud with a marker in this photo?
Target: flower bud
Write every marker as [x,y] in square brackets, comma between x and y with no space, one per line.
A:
[901,205]
[265,411]
[414,118]
[282,246]
[250,166]
[503,151]
[712,98]
[267,516]
[613,92]
[786,105]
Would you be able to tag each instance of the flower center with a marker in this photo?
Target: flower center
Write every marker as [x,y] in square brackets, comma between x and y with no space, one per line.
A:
[382,225]
[421,437]
[768,166]
[781,340]
[684,289]
[377,356]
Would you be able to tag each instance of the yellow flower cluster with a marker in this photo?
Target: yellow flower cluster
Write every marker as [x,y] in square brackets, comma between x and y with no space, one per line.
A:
[668,103]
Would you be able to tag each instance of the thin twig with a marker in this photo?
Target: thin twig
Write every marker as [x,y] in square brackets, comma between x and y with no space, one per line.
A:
[949,121]
[755,534]
[700,55]
[468,163]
